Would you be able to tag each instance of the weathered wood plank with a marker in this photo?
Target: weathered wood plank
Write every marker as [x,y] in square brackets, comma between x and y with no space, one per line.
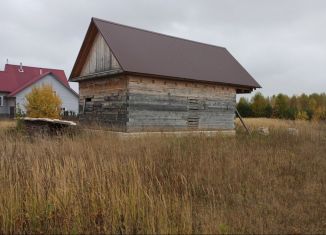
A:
[100,58]
[146,104]
[155,103]
[106,102]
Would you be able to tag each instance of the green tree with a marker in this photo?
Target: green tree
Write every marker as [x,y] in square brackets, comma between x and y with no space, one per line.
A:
[293,108]
[244,107]
[282,106]
[259,105]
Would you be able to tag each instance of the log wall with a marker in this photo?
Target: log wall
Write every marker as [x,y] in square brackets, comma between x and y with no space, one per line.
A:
[161,105]
[103,102]
[134,103]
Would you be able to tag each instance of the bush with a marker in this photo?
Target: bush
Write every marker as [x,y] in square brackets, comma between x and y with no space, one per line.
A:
[43,102]
[302,115]
[19,112]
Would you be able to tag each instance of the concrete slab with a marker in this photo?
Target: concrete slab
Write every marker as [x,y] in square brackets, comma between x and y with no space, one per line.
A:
[174,133]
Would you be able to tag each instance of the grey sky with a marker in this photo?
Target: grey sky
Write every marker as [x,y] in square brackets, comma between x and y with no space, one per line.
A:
[282,44]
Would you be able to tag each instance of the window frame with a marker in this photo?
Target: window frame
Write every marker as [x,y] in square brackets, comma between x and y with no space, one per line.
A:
[1,101]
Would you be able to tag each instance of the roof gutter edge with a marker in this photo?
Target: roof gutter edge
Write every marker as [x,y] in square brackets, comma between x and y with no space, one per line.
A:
[194,80]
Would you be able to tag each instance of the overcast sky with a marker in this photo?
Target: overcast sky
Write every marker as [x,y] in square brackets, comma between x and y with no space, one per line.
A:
[282,44]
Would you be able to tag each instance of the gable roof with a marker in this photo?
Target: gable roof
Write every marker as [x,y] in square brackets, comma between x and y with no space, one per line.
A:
[12,81]
[34,80]
[149,53]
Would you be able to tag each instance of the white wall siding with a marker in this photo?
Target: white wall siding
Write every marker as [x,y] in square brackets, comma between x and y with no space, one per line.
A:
[69,99]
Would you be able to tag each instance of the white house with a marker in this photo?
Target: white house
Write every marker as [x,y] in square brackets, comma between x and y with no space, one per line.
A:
[16,81]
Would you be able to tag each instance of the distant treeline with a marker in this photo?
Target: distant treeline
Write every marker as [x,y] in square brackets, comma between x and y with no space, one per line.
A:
[304,107]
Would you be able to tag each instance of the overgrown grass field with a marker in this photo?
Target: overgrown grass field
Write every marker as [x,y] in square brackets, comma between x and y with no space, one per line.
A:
[96,182]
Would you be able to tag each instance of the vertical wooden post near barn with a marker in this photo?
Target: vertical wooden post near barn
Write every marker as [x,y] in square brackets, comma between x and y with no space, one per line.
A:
[241,120]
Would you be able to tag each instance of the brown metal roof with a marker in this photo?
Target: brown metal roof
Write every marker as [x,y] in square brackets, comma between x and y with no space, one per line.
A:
[145,52]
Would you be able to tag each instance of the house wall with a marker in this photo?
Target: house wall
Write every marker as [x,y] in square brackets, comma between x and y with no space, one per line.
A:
[161,104]
[69,99]
[103,102]
[4,110]
[134,103]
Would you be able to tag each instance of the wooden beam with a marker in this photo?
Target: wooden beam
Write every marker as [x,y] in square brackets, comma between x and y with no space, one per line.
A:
[237,112]
[98,75]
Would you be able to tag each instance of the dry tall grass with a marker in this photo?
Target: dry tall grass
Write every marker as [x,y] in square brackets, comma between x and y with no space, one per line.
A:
[4,124]
[98,183]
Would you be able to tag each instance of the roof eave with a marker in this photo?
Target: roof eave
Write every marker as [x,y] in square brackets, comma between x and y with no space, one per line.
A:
[194,80]
[91,27]
[31,82]
[83,52]
[36,79]
[98,75]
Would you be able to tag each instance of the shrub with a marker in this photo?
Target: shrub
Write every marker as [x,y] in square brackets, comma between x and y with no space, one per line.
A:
[19,112]
[302,115]
[43,102]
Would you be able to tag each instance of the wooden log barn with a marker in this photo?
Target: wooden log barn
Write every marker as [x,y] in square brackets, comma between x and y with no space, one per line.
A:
[135,80]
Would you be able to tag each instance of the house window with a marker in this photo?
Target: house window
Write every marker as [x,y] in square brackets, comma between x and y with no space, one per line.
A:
[1,101]
[88,105]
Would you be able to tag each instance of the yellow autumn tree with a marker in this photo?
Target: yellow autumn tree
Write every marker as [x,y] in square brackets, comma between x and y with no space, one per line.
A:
[43,102]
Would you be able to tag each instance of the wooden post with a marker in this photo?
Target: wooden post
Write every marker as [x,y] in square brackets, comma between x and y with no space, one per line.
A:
[244,125]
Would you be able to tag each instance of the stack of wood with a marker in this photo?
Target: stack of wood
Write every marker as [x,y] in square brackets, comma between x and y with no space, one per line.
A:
[46,125]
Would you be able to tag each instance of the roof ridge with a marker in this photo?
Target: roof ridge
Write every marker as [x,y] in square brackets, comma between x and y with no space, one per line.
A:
[28,66]
[161,34]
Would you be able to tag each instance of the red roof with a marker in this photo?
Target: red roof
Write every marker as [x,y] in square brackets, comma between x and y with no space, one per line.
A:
[13,81]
